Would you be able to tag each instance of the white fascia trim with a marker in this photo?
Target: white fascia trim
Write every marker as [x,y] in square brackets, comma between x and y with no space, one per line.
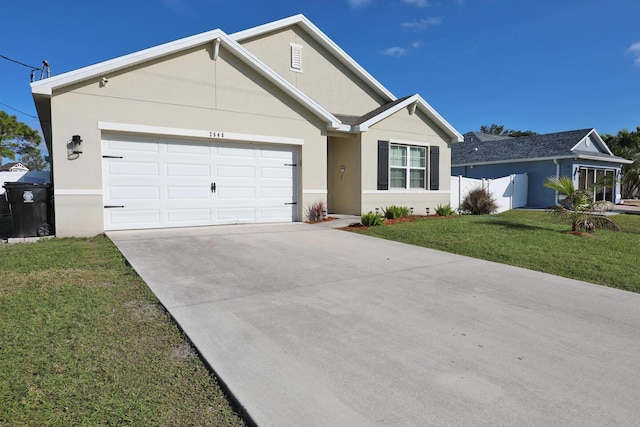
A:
[46,86]
[217,134]
[77,192]
[618,160]
[321,38]
[424,106]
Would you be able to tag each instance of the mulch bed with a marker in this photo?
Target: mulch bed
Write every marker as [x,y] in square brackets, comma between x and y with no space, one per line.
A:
[387,222]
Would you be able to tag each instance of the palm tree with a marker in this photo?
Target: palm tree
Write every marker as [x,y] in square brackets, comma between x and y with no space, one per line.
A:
[578,206]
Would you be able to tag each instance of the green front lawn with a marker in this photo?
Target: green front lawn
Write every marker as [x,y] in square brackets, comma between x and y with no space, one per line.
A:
[83,341]
[533,240]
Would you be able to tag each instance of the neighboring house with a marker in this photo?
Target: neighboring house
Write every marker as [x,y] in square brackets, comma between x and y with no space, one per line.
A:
[580,154]
[249,127]
[14,167]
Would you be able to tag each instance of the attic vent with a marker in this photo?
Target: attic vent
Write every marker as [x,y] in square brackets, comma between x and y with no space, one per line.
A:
[296,57]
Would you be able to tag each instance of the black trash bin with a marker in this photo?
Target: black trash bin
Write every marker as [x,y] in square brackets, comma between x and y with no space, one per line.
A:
[31,208]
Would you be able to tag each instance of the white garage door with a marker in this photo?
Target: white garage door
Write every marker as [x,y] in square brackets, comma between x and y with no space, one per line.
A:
[159,182]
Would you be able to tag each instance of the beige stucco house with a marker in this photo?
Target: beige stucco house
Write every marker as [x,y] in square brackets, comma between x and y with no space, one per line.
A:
[248,127]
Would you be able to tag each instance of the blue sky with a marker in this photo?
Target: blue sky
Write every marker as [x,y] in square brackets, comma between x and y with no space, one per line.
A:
[542,65]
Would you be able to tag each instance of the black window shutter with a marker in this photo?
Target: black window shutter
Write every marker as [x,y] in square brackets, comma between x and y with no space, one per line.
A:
[434,166]
[383,165]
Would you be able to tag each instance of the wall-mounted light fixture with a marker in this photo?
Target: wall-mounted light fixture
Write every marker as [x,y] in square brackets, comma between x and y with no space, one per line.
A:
[411,211]
[76,144]
[427,209]
[575,171]
[343,169]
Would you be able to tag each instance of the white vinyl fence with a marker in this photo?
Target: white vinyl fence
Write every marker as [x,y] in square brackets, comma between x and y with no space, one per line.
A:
[509,192]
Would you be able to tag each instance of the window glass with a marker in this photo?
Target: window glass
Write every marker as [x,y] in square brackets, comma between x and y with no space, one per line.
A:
[398,155]
[417,178]
[418,157]
[398,178]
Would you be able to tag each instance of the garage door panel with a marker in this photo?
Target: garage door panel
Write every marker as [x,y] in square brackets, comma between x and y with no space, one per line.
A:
[188,193]
[276,213]
[133,169]
[227,153]
[236,171]
[190,170]
[140,218]
[202,151]
[181,216]
[126,146]
[239,214]
[134,193]
[168,183]
[282,172]
[235,193]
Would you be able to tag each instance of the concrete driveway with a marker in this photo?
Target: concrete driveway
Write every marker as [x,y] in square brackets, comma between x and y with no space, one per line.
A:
[312,326]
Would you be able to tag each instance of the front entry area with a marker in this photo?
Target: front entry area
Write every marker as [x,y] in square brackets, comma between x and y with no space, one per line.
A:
[158,182]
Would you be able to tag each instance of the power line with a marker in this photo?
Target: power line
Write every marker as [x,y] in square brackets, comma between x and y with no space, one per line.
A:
[44,69]
[15,109]
[18,62]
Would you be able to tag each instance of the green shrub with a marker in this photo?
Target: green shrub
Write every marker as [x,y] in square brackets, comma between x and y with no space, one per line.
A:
[316,212]
[395,212]
[445,210]
[478,202]
[371,219]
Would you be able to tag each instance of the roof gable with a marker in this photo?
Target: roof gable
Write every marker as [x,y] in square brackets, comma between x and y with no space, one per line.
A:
[323,40]
[530,148]
[47,86]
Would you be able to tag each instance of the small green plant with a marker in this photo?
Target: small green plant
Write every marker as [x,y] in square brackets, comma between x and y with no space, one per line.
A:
[445,210]
[371,219]
[395,212]
[316,212]
[478,202]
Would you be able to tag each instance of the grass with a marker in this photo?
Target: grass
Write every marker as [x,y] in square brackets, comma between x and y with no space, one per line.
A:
[85,342]
[532,240]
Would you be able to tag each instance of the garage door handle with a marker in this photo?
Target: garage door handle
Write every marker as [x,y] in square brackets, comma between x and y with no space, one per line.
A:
[213,187]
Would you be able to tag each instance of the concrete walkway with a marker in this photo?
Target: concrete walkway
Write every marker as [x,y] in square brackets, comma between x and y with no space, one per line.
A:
[307,325]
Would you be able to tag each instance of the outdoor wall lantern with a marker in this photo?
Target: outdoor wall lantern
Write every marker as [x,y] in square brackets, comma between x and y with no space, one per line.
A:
[427,209]
[575,171]
[411,210]
[343,169]
[76,147]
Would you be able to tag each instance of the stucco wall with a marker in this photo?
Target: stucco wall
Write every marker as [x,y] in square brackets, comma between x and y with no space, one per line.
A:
[402,127]
[323,78]
[188,90]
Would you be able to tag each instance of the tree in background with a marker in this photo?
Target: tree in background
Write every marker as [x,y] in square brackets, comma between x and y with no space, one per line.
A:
[16,138]
[627,144]
[35,161]
[495,129]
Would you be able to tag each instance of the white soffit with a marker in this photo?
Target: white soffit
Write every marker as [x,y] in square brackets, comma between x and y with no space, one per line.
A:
[321,38]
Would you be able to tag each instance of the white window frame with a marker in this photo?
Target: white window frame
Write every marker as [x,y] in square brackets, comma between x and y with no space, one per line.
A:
[407,168]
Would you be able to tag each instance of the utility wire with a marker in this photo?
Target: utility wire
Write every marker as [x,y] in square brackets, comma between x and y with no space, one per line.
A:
[15,109]
[18,62]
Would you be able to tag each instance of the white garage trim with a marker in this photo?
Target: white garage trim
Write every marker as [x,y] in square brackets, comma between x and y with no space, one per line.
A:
[158,182]
[215,135]
[74,192]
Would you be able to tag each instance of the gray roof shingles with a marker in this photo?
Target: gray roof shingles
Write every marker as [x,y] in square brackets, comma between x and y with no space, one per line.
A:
[357,120]
[549,145]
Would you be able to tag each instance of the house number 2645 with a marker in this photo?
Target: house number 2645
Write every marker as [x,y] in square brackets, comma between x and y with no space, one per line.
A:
[216,134]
